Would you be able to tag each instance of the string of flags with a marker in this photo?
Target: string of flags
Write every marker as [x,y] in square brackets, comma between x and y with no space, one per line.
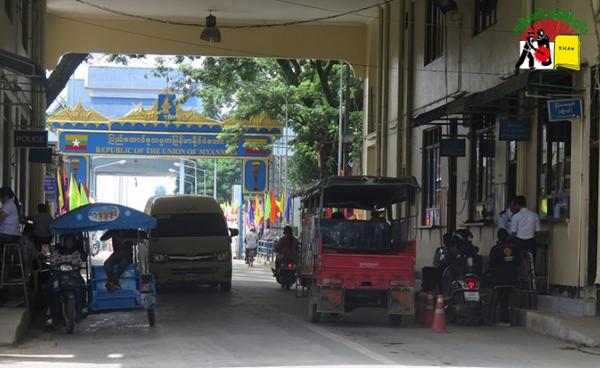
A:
[70,193]
[267,208]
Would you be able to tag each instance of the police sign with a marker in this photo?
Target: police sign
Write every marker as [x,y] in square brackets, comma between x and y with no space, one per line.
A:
[31,138]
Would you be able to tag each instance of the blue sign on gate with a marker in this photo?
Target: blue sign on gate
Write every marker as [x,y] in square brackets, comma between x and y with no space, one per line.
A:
[178,145]
[565,109]
[255,176]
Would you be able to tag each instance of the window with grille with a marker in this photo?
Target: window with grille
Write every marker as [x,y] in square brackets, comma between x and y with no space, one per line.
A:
[554,163]
[434,32]
[481,179]
[432,177]
[485,15]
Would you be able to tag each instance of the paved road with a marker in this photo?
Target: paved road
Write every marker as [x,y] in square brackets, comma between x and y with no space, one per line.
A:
[258,324]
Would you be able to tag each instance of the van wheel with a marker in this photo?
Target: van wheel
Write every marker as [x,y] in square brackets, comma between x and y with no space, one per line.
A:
[225,286]
[395,320]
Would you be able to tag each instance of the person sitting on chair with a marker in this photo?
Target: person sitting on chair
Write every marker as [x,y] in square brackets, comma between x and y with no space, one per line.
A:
[121,257]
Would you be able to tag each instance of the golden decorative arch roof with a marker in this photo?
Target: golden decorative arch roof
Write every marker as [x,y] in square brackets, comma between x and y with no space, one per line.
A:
[77,114]
[139,113]
[261,120]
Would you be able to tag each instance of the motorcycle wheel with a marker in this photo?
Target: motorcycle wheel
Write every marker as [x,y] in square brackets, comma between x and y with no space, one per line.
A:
[313,315]
[151,317]
[68,307]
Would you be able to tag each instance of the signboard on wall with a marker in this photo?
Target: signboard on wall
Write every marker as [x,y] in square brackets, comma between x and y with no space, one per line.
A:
[514,130]
[453,147]
[565,109]
[31,138]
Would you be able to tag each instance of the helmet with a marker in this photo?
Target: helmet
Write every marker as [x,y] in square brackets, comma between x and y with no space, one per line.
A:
[462,235]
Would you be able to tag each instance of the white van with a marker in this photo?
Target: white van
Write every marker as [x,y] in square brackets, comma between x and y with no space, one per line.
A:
[191,242]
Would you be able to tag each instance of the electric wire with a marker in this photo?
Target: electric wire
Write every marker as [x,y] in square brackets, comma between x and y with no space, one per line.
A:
[241,26]
[265,55]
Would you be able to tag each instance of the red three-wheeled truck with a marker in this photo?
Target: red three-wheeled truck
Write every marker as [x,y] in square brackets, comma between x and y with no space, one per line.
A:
[347,262]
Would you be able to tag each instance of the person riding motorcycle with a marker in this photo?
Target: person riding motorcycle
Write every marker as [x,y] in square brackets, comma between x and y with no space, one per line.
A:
[250,242]
[287,247]
[67,252]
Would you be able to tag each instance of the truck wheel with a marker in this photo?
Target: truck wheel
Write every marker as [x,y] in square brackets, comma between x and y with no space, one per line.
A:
[225,286]
[395,320]
[313,315]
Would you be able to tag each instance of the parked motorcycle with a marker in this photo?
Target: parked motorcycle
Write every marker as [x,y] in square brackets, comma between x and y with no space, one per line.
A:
[285,273]
[68,282]
[460,266]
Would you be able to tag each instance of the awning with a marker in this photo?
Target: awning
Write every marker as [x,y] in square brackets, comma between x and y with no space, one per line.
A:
[475,101]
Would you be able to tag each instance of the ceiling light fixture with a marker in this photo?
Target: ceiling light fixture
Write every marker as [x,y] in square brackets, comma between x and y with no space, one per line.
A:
[211,33]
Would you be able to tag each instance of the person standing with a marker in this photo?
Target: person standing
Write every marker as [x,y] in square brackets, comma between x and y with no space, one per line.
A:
[41,226]
[10,220]
[524,224]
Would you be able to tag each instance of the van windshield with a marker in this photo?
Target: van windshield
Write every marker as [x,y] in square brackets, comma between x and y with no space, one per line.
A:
[190,225]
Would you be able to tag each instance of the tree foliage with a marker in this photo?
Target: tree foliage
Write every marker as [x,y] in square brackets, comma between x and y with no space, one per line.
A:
[240,88]
[229,172]
[307,90]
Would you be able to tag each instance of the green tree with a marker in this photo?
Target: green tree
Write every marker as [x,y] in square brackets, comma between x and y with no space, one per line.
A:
[241,88]
[229,172]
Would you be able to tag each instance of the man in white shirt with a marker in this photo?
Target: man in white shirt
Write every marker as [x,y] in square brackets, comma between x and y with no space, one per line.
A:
[524,224]
[250,241]
[504,219]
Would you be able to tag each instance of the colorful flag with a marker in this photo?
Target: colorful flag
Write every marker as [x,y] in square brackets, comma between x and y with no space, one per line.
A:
[288,208]
[281,206]
[258,210]
[73,194]
[274,210]
[250,210]
[267,214]
[83,198]
[87,193]
[76,142]
[60,194]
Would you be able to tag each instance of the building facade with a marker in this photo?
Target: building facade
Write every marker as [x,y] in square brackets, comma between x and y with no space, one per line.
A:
[436,76]
[22,100]
[113,91]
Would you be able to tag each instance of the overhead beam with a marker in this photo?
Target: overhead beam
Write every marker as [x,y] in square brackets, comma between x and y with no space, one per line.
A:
[83,35]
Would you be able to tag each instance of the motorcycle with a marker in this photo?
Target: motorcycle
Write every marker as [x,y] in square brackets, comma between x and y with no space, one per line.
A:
[67,281]
[250,255]
[285,273]
[460,266]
